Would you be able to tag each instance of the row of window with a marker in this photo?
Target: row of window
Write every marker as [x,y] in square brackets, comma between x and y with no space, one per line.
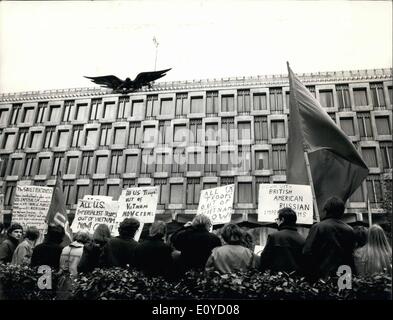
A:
[188,191]
[242,159]
[227,130]
[269,99]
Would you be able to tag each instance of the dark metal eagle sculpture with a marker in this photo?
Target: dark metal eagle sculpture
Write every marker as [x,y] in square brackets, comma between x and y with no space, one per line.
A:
[128,85]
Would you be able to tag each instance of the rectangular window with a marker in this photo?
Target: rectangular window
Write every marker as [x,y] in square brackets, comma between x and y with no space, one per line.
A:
[3,116]
[95,109]
[383,125]
[360,96]
[279,159]
[163,196]
[22,139]
[68,108]
[197,105]
[227,130]
[164,132]
[212,102]
[9,140]
[57,163]
[131,163]
[193,190]
[29,165]
[311,89]
[244,130]
[3,164]
[54,113]
[211,159]
[80,112]
[195,132]
[179,133]
[260,101]
[137,108]
[35,139]
[15,166]
[42,106]
[377,95]
[62,140]
[262,160]
[116,162]
[209,185]
[326,98]
[278,129]
[364,123]
[87,160]
[276,104]
[91,137]
[28,115]
[99,188]
[390,94]
[344,101]
[370,157]
[176,192]
[243,102]
[43,166]
[179,160]
[135,134]
[163,161]
[181,104]
[128,183]
[194,161]
[227,103]
[386,153]
[101,164]
[260,129]
[147,161]
[347,126]
[211,132]
[76,136]
[374,190]
[49,133]
[152,106]
[357,196]
[122,109]
[244,159]
[81,192]
[119,136]
[69,192]
[244,193]
[109,111]
[227,160]
[166,106]
[72,165]
[9,193]
[104,137]
[113,191]
[15,113]
[149,134]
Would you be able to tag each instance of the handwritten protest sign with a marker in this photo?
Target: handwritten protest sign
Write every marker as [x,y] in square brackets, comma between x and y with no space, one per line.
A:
[273,197]
[90,213]
[31,205]
[139,203]
[216,203]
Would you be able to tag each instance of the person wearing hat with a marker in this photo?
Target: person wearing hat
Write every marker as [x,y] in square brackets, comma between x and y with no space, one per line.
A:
[120,251]
[8,246]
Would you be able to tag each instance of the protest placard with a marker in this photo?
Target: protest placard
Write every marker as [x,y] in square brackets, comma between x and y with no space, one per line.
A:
[31,205]
[90,213]
[273,197]
[139,203]
[216,203]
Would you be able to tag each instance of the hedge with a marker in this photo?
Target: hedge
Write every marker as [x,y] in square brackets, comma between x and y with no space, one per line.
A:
[20,283]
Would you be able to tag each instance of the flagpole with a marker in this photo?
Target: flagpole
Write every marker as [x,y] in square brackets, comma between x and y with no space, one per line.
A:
[312,186]
[370,219]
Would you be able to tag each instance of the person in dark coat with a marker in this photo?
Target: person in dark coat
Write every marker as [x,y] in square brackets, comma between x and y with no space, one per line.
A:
[8,246]
[49,252]
[120,251]
[195,243]
[283,250]
[92,251]
[153,256]
[330,243]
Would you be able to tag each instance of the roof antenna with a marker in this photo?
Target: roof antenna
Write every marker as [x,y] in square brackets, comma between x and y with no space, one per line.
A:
[156,44]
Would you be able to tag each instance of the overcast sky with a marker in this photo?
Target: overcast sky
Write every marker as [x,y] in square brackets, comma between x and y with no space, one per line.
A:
[51,45]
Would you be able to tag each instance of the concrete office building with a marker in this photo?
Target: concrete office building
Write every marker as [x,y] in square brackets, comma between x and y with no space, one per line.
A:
[182,136]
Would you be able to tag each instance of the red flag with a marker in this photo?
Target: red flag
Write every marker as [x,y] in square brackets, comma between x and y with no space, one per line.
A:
[57,213]
[336,167]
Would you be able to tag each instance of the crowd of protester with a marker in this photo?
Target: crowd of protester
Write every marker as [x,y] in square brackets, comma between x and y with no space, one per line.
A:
[329,244]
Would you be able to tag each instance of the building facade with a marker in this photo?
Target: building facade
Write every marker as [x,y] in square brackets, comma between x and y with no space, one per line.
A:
[187,136]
